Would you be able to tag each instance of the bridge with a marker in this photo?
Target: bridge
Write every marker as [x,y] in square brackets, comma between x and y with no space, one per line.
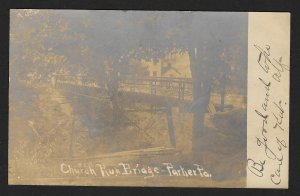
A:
[162,93]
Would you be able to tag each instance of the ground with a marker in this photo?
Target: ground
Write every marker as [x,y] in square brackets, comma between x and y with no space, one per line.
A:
[43,120]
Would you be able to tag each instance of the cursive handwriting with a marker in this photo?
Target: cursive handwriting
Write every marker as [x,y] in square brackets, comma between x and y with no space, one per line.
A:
[267,62]
[267,95]
[256,168]
[271,114]
[278,116]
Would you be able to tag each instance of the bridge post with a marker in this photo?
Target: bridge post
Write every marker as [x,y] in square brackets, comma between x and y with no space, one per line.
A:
[171,126]
[72,132]
[153,92]
[153,87]
[181,88]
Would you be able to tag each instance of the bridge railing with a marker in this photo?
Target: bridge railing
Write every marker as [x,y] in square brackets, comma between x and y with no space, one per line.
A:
[180,88]
[175,87]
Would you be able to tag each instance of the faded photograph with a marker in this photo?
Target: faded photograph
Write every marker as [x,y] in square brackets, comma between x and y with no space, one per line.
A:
[128,98]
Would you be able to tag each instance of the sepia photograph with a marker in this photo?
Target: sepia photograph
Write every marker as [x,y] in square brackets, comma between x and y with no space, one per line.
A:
[129,98]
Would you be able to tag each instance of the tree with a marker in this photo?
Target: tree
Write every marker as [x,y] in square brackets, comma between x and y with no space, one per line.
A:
[121,36]
[40,41]
[115,38]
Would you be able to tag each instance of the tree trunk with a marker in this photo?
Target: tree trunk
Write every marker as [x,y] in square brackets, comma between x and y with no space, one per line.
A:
[201,95]
[113,87]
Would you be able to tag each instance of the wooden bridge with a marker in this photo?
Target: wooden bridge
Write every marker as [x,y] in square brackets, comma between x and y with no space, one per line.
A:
[161,93]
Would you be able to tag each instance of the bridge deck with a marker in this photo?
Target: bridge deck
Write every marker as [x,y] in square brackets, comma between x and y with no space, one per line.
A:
[154,90]
[158,100]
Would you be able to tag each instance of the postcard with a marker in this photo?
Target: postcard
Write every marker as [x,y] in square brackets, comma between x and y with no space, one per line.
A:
[149,98]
